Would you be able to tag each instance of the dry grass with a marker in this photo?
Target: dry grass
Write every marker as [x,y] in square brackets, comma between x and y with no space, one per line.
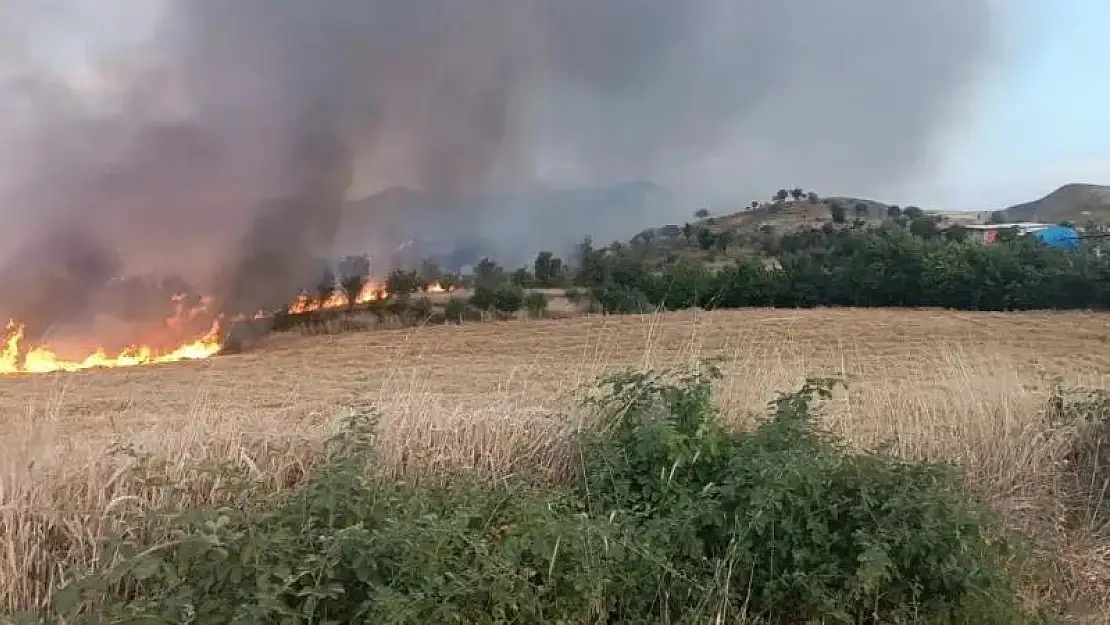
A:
[965,386]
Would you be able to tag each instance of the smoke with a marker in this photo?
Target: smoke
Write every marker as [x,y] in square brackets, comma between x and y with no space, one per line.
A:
[219,139]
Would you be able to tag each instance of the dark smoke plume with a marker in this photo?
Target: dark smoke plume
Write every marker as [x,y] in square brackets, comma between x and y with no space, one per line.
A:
[220,143]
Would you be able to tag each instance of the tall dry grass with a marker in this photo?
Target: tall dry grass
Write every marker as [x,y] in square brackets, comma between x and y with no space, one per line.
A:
[59,494]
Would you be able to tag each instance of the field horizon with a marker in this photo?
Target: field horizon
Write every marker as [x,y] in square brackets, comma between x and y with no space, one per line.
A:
[499,399]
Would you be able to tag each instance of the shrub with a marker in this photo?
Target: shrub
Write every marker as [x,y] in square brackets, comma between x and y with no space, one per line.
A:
[536,303]
[421,308]
[671,519]
[483,298]
[508,299]
[783,520]
[399,306]
[455,310]
[621,299]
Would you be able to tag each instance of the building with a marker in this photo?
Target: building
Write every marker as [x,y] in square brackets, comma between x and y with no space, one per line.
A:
[988,233]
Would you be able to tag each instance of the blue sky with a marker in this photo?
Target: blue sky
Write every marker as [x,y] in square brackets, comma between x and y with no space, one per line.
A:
[1042,118]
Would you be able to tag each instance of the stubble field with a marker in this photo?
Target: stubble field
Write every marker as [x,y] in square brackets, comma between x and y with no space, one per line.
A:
[495,397]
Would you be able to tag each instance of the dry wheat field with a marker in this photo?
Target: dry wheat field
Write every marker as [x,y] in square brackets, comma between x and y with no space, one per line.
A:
[495,397]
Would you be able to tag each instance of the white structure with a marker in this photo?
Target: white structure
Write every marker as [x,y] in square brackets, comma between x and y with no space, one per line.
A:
[987,233]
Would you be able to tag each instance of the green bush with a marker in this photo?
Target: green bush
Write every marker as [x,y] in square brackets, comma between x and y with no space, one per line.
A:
[536,303]
[483,297]
[783,520]
[508,299]
[671,519]
[421,308]
[455,310]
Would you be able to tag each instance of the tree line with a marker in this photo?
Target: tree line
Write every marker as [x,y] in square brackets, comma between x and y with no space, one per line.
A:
[889,266]
[900,263]
[894,265]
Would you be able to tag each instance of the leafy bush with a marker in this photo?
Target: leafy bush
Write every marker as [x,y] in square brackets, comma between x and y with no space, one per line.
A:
[400,283]
[421,308]
[671,518]
[536,303]
[508,299]
[483,298]
[455,310]
[783,520]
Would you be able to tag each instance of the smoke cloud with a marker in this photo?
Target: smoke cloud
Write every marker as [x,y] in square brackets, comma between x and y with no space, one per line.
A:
[219,140]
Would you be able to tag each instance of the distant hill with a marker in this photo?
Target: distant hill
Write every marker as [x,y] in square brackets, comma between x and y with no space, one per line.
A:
[400,225]
[1077,203]
[507,227]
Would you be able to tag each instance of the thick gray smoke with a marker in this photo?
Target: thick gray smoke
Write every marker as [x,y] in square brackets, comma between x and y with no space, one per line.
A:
[221,143]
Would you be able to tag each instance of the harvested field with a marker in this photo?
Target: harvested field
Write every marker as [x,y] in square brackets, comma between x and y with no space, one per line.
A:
[965,386]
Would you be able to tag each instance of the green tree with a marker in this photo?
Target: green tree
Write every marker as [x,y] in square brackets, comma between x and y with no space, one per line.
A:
[913,212]
[455,310]
[508,299]
[536,303]
[521,277]
[483,297]
[488,273]
[925,228]
[725,239]
[781,195]
[706,239]
[402,284]
[955,233]
[893,211]
[548,269]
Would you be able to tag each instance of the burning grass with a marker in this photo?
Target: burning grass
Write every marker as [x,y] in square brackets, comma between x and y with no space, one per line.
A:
[967,387]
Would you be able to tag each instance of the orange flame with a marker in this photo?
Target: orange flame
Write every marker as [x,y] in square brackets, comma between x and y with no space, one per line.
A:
[42,359]
[305,302]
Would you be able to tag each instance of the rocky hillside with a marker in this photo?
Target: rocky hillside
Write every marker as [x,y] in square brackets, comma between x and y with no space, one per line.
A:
[1077,203]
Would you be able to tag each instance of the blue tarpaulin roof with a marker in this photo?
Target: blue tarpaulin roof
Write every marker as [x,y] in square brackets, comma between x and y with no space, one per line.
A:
[1059,237]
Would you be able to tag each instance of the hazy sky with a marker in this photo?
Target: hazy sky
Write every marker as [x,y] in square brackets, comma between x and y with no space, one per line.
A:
[1042,119]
